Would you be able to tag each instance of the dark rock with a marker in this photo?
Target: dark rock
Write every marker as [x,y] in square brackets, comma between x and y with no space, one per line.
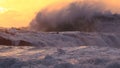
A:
[5,41]
[24,43]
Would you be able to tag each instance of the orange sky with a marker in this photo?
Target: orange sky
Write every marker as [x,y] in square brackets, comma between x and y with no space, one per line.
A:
[18,13]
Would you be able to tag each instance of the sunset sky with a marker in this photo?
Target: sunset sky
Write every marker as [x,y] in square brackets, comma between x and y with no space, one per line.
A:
[18,13]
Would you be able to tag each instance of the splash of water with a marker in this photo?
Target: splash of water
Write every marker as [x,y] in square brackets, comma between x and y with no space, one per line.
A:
[77,16]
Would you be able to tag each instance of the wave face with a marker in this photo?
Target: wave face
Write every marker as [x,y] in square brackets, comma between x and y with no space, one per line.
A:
[77,16]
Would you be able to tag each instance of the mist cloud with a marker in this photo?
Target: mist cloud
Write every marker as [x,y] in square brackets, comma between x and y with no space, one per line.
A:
[77,16]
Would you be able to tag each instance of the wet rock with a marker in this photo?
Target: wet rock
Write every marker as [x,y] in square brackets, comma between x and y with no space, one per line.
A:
[5,41]
[24,43]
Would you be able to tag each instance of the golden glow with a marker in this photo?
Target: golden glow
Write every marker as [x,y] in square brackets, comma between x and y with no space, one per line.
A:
[113,5]
[21,12]
[2,10]
[18,13]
